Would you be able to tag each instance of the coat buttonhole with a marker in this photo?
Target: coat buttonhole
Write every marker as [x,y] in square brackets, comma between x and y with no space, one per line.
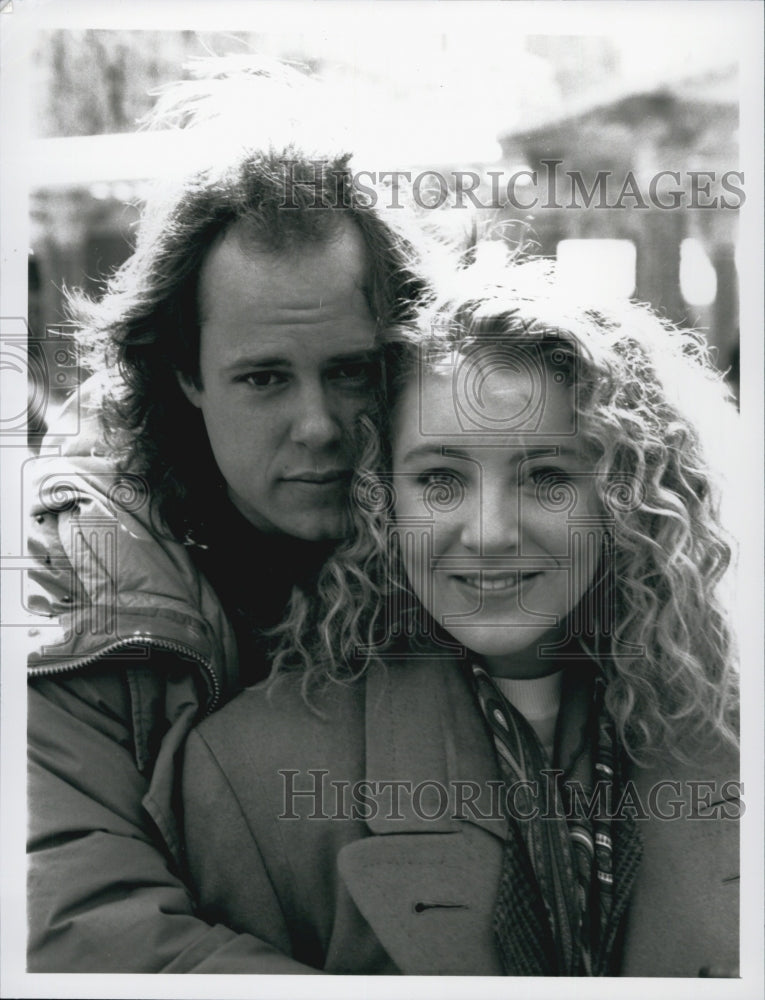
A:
[421,907]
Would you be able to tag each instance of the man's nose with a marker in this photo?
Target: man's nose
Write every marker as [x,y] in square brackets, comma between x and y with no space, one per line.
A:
[491,524]
[314,423]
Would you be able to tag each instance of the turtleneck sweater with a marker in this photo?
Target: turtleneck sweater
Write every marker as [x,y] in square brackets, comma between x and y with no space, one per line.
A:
[538,701]
[253,573]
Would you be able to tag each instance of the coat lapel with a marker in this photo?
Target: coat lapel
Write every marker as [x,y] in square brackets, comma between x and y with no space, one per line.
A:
[426,881]
[422,725]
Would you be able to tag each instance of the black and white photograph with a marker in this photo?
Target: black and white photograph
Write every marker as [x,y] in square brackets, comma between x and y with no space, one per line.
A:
[381,429]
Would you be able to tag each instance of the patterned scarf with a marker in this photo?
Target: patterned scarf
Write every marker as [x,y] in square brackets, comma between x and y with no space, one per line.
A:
[555,913]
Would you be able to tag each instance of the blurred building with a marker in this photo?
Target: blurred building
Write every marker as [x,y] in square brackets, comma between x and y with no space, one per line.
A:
[524,104]
[656,171]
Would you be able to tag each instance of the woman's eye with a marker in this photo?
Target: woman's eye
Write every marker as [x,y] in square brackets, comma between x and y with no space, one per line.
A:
[438,477]
[548,476]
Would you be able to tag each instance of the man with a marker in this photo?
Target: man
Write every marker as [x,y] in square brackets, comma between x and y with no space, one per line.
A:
[207,477]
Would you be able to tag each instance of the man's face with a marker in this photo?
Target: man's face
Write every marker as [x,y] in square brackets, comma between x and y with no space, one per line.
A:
[287,364]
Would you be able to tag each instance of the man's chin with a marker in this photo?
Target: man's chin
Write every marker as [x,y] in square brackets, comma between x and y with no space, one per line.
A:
[335,532]
[325,523]
[319,528]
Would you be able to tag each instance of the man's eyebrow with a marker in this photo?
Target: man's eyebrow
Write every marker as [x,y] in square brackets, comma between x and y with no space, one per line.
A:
[264,361]
[368,354]
[364,355]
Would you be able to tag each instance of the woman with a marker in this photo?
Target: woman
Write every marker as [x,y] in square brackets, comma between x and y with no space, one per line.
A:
[527,762]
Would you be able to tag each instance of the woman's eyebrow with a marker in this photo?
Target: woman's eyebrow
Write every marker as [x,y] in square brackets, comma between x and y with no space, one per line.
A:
[551,451]
[522,454]
[434,451]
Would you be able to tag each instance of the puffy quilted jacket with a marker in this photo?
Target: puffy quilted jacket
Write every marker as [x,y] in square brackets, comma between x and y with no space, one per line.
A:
[128,648]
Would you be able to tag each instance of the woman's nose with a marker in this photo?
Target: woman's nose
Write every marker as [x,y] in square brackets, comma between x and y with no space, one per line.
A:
[491,522]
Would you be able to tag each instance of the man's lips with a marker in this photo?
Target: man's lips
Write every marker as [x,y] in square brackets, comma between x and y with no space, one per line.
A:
[318,478]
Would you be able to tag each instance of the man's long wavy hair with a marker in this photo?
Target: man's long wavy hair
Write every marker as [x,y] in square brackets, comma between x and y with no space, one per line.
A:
[254,136]
[647,402]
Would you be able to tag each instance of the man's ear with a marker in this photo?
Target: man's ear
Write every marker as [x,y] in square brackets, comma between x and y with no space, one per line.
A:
[189,388]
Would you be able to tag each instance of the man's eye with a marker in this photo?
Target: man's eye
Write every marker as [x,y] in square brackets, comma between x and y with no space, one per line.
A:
[355,372]
[262,380]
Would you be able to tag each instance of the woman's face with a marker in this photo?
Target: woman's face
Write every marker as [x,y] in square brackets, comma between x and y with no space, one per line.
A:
[496,506]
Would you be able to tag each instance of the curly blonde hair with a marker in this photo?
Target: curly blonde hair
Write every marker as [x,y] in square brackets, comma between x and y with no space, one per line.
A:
[648,403]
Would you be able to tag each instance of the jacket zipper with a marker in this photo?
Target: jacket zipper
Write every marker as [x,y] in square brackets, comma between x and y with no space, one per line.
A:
[138,640]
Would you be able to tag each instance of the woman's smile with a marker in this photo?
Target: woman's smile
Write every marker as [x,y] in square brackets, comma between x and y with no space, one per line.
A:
[495,559]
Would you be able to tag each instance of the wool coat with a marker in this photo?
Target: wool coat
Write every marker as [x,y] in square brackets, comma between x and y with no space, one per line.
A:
[360,835]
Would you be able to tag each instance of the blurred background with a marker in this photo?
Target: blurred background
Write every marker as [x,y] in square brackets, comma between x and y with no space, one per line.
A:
[447,100]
